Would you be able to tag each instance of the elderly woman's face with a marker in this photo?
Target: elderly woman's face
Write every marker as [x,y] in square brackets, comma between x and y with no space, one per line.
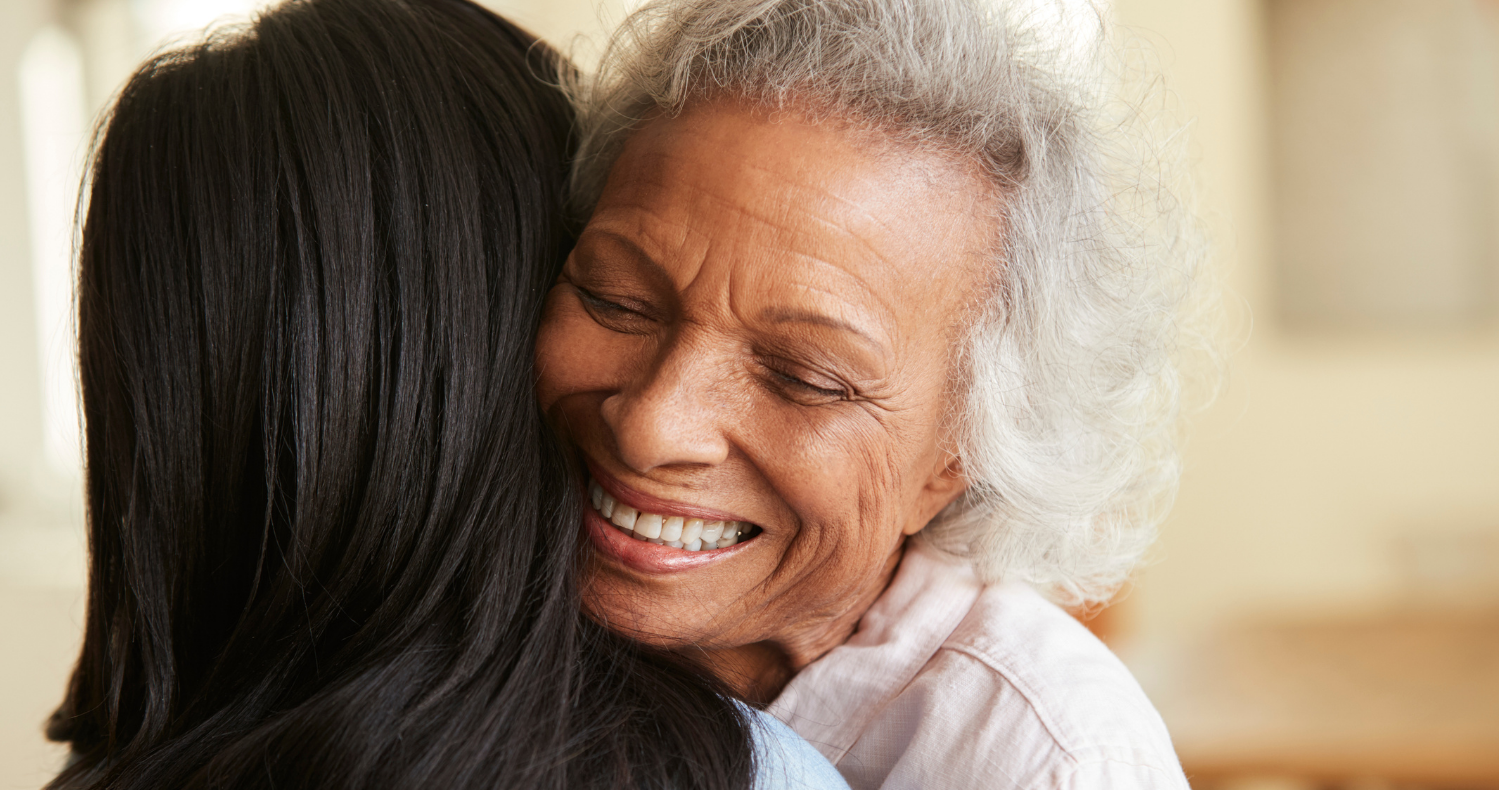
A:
[758,325]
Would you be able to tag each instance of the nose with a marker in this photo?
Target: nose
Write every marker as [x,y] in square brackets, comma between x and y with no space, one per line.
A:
[669,416]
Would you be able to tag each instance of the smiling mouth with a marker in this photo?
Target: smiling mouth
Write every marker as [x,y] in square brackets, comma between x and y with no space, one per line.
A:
[678,532]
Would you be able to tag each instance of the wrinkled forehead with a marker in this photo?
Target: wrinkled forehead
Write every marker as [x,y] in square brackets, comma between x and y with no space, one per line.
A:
[793,205]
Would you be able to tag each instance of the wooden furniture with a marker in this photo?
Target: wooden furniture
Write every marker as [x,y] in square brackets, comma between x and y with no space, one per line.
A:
[1407,698]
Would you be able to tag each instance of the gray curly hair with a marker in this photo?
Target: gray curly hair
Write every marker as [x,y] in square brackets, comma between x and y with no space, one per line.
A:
[1068,387]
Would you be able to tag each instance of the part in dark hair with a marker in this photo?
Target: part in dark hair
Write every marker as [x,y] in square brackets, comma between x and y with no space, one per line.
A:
[332,543]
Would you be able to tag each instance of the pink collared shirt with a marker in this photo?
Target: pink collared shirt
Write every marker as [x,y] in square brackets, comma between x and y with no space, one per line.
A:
[949,684]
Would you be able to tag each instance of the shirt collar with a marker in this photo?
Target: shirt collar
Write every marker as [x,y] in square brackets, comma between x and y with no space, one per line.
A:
[831,701]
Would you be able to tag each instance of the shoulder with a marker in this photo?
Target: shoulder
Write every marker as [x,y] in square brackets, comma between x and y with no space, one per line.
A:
[1062,683]
[1019,695]
[785,761]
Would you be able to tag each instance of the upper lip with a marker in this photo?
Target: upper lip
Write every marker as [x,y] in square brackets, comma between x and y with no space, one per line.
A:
[651,504]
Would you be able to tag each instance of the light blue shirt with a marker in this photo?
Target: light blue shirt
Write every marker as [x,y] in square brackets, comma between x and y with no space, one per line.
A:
[785,761]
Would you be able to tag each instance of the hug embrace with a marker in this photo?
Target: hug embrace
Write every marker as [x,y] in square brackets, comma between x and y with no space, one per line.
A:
[737,414]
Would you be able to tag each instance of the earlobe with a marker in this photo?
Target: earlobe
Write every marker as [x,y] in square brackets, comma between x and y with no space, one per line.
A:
[944,486]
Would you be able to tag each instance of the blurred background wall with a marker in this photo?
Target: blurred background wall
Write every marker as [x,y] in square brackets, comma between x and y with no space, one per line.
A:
[1321,604]
[1354,456]
[1337,532]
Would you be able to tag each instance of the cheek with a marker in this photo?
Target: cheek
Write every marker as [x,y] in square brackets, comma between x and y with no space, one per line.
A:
[850,479]
[840,474]
[853,473]
[573,353]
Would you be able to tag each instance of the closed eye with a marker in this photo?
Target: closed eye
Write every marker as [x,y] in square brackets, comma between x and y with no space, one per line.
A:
[796,382]
[805,389]
[599,303]
[612,315]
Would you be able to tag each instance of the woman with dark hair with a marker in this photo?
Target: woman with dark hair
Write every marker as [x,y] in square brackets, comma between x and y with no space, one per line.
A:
[332,543]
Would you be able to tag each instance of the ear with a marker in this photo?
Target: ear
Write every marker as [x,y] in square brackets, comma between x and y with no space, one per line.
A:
[946,483]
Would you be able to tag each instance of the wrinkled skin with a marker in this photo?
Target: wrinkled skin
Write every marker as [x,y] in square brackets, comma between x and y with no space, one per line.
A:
[761,317]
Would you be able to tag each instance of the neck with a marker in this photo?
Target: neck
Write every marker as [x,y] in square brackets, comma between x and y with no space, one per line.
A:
[756,673]
[759,671]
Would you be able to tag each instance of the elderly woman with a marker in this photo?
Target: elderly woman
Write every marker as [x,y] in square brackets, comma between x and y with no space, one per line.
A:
[866,347]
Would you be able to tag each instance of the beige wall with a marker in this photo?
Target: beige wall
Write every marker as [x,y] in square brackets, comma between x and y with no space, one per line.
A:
[20,385]
[576,27]
[1332,463]
[1384,154]
[39,623]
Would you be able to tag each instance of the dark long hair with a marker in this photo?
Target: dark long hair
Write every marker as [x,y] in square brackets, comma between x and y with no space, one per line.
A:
[332,544]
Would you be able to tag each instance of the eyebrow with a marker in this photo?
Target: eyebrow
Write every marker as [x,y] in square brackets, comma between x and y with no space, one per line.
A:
[654,269]
[795,315]
[620,240]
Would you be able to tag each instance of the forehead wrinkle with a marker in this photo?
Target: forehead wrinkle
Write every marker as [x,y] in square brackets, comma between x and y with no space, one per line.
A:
[641,228]
[849,234]
[781,223]
[786,217]
[847,311]
[678,250]
[908,174]
[827,229]
[656,181]
[834,230]
[885,312]
[922,178]
[713,236]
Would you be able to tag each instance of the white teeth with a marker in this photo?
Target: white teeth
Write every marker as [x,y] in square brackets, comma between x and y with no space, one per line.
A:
[678,532]
[624,516]
[649,525]
[711,530]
